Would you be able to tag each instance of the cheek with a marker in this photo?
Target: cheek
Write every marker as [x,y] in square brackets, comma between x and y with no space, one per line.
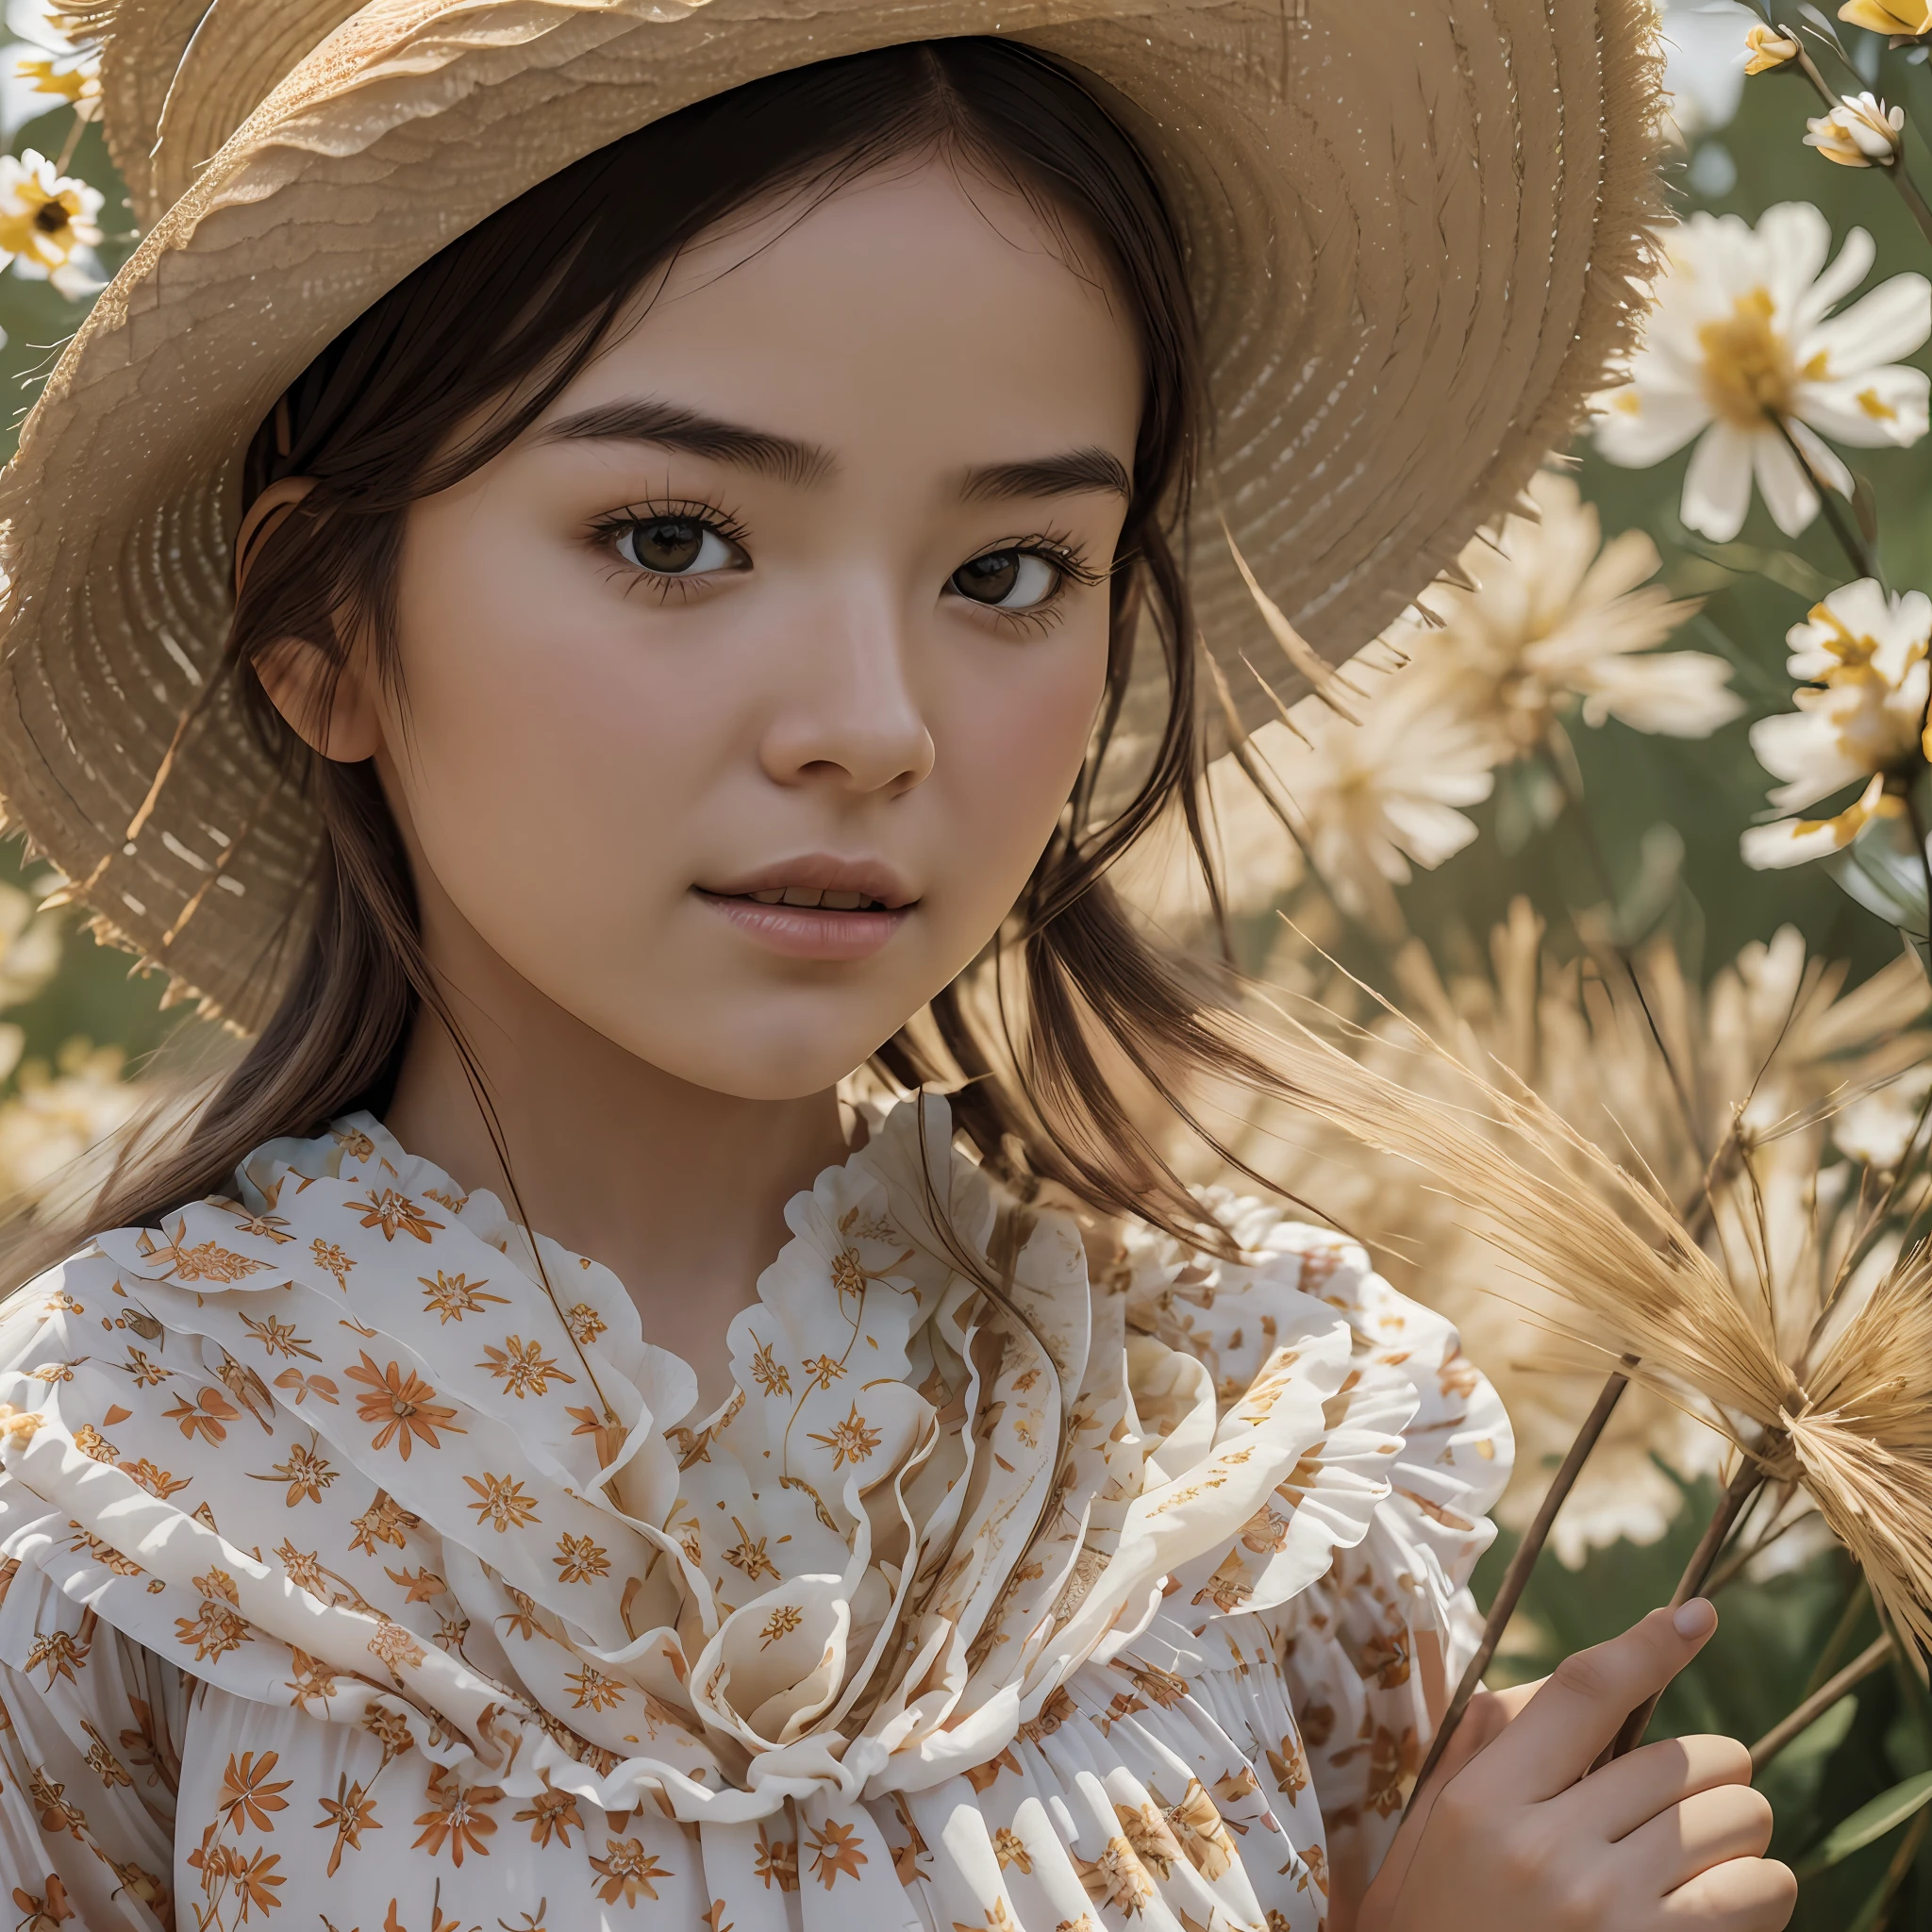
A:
[540,741]
[1008,753]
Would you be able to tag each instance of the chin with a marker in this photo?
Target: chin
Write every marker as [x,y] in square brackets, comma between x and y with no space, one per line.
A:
[760,1062]
[743,1079]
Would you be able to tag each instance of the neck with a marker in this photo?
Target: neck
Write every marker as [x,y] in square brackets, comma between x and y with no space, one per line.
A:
[679,1190]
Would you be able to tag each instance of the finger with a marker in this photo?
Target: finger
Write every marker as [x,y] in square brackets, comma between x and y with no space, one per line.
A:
[1511,1702]
[1747,1895]
[1709,1829]
[1559,1734]
[1613,1802]
[1488,1716]
[1484,1720]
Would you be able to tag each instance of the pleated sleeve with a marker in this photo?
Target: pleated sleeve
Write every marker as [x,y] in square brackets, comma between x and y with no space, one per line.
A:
[1357,1567]
[91,1723]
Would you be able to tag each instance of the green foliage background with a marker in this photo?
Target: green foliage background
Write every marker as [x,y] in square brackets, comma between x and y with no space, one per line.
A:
[1778,1639]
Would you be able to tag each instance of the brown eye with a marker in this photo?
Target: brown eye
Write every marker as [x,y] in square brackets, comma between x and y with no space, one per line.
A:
[1006,580]
[678,547]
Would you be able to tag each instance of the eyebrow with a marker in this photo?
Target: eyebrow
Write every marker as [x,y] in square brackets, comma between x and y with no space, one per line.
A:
[669,425]
[1075,472]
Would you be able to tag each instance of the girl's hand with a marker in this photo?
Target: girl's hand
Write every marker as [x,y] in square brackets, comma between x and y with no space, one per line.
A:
[1522,1833]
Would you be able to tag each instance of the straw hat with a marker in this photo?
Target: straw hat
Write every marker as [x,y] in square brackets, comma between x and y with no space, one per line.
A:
[1414,226]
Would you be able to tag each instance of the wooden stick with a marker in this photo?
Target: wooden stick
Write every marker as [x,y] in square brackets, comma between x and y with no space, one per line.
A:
[1521,1563]
[1868,1659]
[1743,1485]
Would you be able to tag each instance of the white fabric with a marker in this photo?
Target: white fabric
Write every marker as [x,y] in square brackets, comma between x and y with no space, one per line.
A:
[364,1567]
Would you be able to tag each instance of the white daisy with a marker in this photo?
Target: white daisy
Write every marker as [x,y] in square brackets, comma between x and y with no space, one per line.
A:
[1369,799]
[1559,620]
[48,224]
[1742,340]
[1859,720]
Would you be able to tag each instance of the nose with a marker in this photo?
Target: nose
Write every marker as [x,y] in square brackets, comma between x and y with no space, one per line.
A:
[848,712]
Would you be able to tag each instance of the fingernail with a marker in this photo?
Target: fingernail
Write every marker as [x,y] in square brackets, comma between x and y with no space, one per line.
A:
[1698,1618]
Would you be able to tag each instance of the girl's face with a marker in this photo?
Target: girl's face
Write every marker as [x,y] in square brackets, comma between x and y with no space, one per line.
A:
[744,691]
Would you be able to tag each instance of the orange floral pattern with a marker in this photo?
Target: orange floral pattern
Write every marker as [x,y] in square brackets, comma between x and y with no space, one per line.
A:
[412,1583]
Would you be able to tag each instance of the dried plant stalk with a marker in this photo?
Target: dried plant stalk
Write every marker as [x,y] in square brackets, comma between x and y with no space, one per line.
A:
[1521,1564]
[1737,1498]
[1848,1420]
[1871,1657]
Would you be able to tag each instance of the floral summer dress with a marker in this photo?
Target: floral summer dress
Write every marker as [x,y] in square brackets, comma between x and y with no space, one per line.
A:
[365,1570]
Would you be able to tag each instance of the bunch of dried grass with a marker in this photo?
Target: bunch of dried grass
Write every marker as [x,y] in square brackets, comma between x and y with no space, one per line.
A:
[1833,1399]
[1774,1058]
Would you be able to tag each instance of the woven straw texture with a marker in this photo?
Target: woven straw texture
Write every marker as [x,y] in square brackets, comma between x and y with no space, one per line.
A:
[1415,229]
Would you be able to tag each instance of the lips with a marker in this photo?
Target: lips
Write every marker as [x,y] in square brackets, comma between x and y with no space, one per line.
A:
[826,897]
[824,923]
[817,882]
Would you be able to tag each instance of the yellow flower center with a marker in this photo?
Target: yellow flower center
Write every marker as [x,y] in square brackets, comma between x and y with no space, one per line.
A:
[40,226]
[1853,650]
[1748,371]
[48,79]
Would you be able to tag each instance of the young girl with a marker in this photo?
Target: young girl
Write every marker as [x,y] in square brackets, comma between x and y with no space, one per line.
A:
[599,570]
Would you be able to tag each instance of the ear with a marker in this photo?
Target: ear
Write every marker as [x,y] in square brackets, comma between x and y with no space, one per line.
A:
[332,712]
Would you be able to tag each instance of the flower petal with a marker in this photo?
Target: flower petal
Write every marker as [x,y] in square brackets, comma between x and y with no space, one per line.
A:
[1806,306]
[1892,320]
[1673,693]
[1826,465]
[1787,490]
[1717,486]
[1797,842]
[1626,561]
[1789,843]
[1883,406]
[1641,425]
[1426,831]
[1803,749]
[1786,250]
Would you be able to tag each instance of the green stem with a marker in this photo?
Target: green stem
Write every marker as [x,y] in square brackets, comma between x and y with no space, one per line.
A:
[1909,190]
[71,143]
[1854,546]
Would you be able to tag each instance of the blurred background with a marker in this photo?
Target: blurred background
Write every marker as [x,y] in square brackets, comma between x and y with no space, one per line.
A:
[1527,845]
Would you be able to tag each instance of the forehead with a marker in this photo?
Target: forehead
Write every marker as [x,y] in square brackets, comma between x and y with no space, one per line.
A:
[925,287]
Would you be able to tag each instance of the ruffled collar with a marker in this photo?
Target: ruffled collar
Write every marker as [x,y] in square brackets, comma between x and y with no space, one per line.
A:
[930,1497]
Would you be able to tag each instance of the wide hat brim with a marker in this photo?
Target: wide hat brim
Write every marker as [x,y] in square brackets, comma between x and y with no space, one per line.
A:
[1415,225]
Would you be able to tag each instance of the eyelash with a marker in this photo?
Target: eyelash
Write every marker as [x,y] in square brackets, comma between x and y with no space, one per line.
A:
[1063,554]
[1061,551]
[607,531]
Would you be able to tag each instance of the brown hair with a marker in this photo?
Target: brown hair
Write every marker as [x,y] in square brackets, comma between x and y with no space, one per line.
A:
[491,330]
